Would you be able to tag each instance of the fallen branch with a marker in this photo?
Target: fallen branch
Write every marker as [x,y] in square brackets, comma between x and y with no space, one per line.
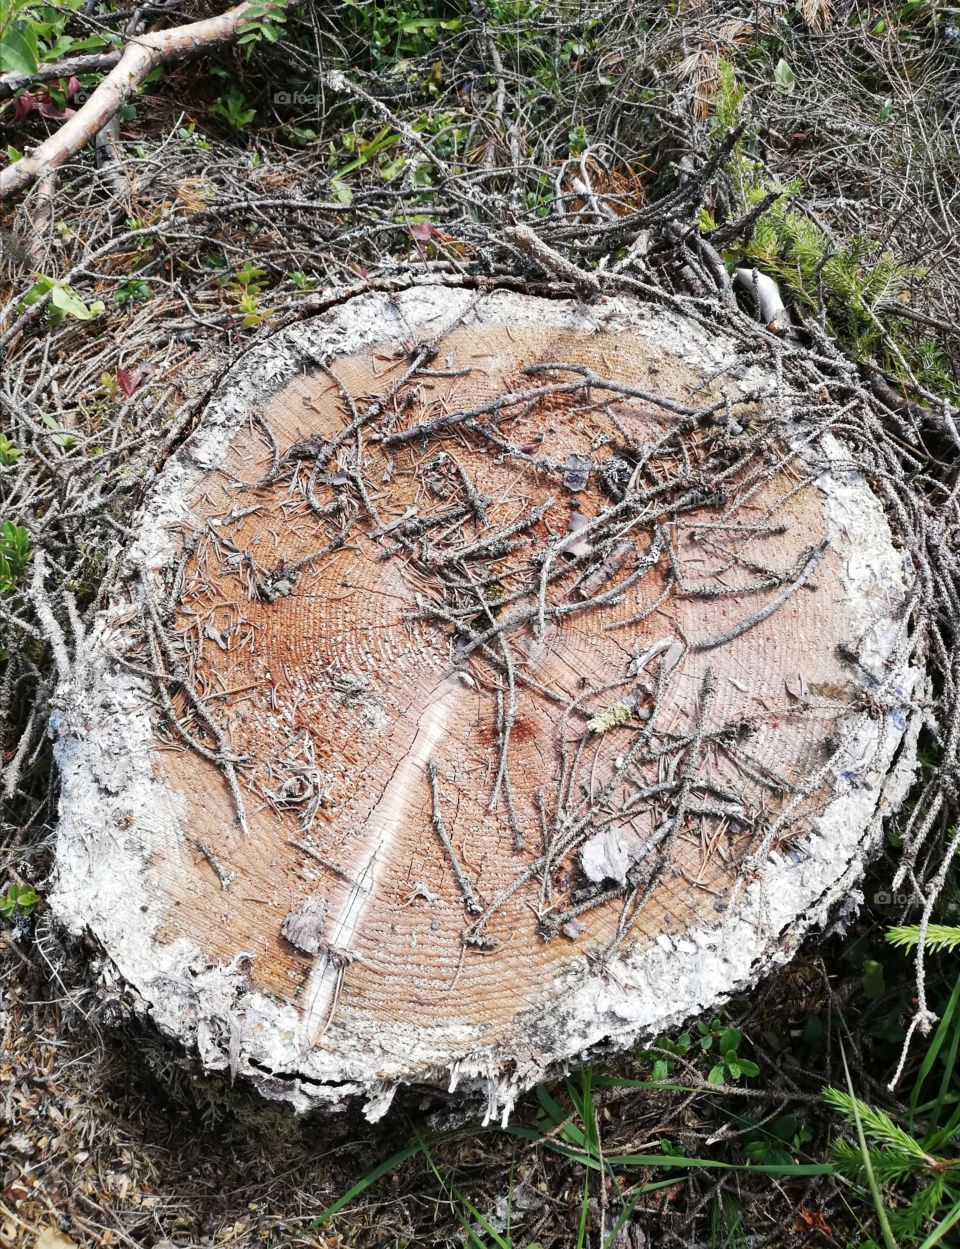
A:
[139,58]
[87,63]
[551,260]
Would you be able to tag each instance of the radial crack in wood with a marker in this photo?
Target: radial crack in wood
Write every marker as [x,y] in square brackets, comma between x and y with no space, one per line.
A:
[490,678]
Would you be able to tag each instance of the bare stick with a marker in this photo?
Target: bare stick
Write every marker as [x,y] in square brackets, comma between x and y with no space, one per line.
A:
[462,879]
[551,260]
[48,622]
[86,63]
[768,609]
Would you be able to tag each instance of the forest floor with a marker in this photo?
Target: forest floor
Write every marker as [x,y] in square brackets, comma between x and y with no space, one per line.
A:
[240,188]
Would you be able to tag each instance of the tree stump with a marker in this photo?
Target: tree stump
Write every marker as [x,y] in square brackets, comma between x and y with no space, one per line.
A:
[490,678]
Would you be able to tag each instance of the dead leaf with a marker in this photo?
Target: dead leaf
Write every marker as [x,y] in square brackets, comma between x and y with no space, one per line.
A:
[813,1220]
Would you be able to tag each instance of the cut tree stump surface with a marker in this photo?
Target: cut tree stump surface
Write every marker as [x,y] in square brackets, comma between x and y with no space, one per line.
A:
[490,677]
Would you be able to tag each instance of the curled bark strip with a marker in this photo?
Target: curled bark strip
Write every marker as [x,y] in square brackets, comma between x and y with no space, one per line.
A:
[139,57]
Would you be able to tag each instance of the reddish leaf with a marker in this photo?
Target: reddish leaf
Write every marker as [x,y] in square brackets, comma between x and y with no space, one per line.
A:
[422,231]
[46,106]
[127,383]
[814,1220]
[24,105]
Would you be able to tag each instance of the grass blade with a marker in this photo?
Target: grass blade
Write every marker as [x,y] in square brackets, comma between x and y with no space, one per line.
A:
[878,1205]
[944,1226]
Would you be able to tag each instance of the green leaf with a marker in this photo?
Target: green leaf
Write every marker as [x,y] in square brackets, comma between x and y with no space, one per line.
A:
[8,452]
[785,1127]
[22,897]
[70,303]
[67,46]
[784,77]
[872,978]
[18,51]
[428,23]
[14,552]
[36,292]
[716,1075]
[389,171]
[13,155]
[61,439]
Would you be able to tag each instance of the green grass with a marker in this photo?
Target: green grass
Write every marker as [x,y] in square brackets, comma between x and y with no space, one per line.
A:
[895,1168]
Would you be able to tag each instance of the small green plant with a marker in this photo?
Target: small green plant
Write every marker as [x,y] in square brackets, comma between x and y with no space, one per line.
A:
[713,1040]
[246,284]
[724,1043]
[133,291]
[60,437]
[14,553]
[784,77]
[263,19]
[232,109]
[661,1049]
[249,278]
[190,134]
[365,150]
[384,35]
[251,314]
[579,142]
[9,454]
[31,33]
[777,1142]
[303,281]
[64,301]
[18,900]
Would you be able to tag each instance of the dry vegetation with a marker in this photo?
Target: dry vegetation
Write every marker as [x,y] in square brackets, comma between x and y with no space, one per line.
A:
[597,126]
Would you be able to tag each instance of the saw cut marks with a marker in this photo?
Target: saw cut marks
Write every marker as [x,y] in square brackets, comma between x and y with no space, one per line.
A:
[495,653]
